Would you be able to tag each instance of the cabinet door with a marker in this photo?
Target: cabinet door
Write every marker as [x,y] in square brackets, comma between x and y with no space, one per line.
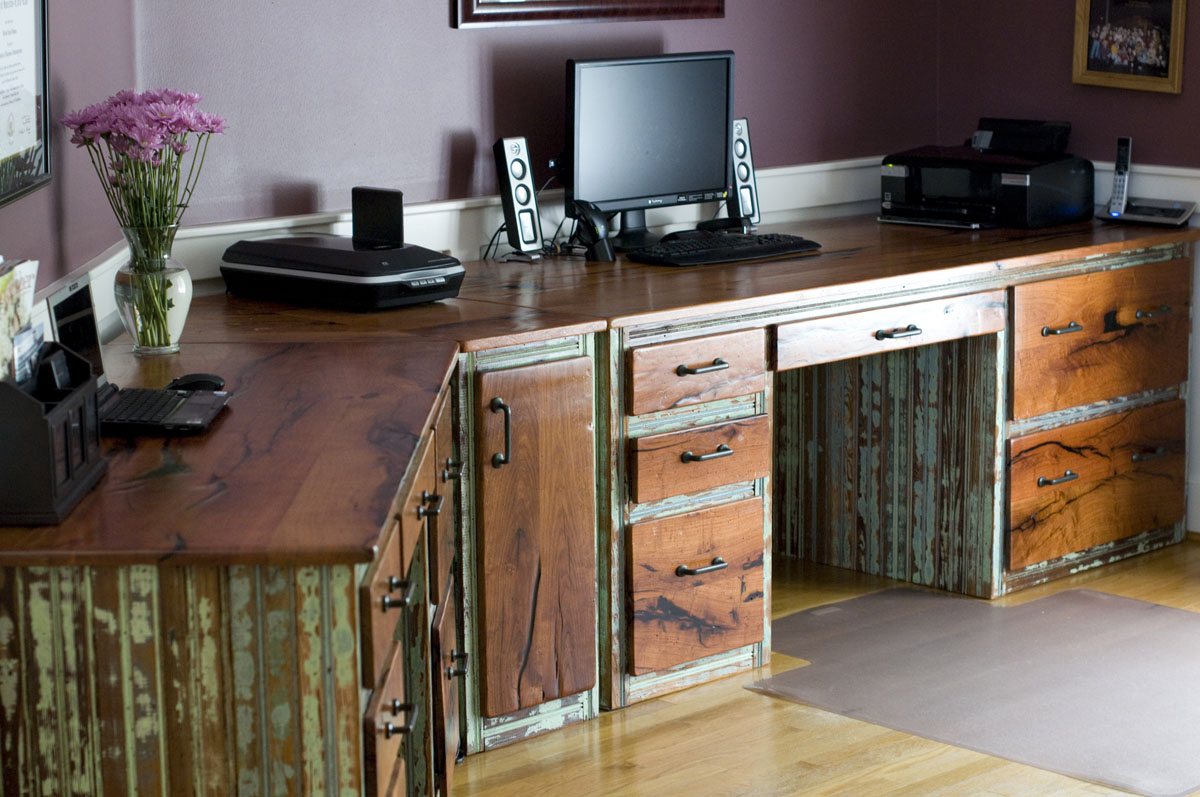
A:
[535,476]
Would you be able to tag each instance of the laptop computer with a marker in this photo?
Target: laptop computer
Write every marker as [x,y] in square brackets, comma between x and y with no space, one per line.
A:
[129,411]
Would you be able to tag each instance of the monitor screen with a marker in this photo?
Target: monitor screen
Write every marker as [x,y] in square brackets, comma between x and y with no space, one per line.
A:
[648,132]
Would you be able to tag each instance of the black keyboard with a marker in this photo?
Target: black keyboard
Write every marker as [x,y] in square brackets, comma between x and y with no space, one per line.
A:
[704,247]
[143,405]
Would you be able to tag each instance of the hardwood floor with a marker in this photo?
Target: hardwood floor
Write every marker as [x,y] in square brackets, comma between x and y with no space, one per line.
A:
[722,739]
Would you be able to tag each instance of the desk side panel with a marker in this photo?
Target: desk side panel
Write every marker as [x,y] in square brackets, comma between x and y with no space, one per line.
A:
[165,680]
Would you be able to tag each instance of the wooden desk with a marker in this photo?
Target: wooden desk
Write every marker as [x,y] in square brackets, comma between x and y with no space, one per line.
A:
[200,618]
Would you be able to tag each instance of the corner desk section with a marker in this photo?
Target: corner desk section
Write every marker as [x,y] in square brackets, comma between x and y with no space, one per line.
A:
[432,531]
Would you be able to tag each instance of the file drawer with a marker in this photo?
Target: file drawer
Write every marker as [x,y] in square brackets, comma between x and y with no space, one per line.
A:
[822,340]
[1078,340]
[697,583]
[690,460]
[1082,485]
[695,371]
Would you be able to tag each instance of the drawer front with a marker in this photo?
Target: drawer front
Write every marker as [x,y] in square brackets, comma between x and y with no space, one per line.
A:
[687,461]
[680,615]
[822,340]
[382,594]
[694,371]
[442,525]
[385,730]
[1082,339]
[1094,482]
[414,507]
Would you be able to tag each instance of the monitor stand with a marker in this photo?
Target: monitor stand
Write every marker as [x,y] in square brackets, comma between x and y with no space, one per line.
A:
[633,234]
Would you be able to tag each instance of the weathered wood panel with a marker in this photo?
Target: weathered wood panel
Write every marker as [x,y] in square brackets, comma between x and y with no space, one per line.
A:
[1116,476]
[887,464]
[165,680]
[659,469]
[1096,336]
[536,535]
[731,364]
[680,618]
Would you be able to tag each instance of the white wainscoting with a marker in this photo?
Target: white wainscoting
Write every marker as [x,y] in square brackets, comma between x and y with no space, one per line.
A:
[790,193]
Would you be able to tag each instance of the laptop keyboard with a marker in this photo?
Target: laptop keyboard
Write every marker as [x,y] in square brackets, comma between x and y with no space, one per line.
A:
[143,405]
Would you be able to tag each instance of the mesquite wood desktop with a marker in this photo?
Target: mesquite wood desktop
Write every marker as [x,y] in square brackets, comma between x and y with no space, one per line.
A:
[452,526]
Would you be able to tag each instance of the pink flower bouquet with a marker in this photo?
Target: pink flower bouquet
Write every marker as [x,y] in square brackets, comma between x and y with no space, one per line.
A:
[139,144]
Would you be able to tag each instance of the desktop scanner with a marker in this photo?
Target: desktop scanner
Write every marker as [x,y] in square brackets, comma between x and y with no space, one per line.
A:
[339,272]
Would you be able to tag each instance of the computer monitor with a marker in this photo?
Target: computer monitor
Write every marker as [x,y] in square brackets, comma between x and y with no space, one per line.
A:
[648,132]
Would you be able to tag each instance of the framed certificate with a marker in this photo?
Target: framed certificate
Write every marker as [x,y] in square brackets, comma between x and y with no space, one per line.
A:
[24,115]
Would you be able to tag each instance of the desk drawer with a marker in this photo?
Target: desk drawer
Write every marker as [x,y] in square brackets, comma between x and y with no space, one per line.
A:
[680,616]
[382,595]
[694,371]
[414,506]
[1082,339]
[386,727]
[690,460]
[1089,483]
[842,337]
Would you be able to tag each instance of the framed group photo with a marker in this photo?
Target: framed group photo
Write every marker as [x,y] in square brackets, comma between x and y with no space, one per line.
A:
[1130,44]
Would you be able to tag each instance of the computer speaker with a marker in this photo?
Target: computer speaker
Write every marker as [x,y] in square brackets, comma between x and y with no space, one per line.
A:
[518,195]
[743,202]
[376,217]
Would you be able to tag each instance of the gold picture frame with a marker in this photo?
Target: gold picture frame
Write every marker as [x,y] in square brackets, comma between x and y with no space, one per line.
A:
[1129,44]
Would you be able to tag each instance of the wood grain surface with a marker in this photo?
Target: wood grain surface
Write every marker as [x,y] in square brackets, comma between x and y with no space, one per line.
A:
[1129,478]
[302,466]
[1133,333]
[659,470]
[536,535]
[877,331]
[679,618]
[738,360]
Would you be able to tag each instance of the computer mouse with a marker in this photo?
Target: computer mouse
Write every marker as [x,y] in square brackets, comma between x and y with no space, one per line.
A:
[196,382]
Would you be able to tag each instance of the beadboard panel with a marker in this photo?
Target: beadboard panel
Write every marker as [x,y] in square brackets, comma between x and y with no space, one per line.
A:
[888,464]
[204,680]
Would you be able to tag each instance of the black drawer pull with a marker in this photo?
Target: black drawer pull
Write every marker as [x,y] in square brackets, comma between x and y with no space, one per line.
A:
[454,672]
[390,730]
[452,471]
[717,365]
[1153,454]
[1067,330]
[423,511]
[1161,311]
[891,334]
[717,564]
[722,451]
[387,602]
[499,460]
[1068,476]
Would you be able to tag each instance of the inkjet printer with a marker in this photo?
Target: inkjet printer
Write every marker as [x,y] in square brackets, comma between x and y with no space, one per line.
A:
[1012,173]
[339,272]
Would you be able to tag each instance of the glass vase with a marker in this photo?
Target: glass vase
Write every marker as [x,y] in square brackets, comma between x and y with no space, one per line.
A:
[153,291]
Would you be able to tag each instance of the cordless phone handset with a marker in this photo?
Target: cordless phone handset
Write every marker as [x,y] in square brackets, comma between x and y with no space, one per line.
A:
[1116,205]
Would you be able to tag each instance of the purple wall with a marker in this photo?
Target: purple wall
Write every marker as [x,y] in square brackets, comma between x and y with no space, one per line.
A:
[386,93]
[68,222]
[1013,59]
